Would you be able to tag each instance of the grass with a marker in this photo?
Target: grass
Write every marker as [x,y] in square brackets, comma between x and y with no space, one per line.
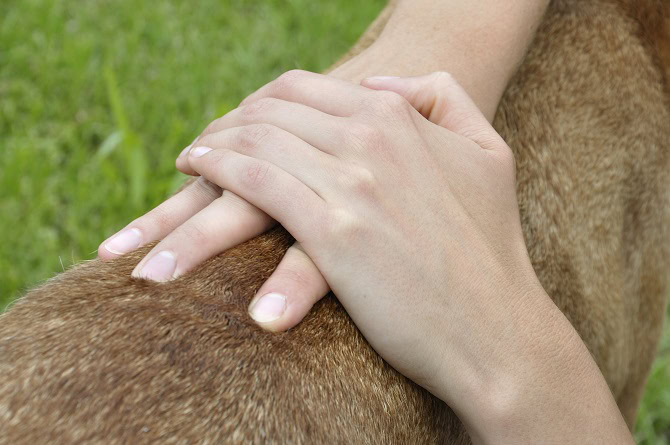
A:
[97,98]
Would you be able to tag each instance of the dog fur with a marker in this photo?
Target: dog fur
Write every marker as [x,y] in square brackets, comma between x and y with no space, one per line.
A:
[96,356]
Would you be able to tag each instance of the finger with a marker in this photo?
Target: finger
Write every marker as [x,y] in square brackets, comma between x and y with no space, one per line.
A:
[182,160]
[322,92]
[315,127]
[440,99]
[272,144]
[225,223]
[290,292]
[279,194]
[161,220]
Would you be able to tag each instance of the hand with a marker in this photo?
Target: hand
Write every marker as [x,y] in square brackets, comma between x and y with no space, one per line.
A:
[416,228]
[228,222]
[403,217]
[413,41]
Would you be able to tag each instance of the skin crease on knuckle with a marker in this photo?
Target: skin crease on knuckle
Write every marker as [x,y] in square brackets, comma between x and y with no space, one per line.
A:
[363,136]
[341,223]
[443,79]
[391,107]
[253,111]
[284,84]
[251,136]
[244,139]
[190,237]
[295,277]
[256,175]
[359,182]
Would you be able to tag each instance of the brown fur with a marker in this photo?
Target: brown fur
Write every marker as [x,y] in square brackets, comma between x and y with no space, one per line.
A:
[96,356]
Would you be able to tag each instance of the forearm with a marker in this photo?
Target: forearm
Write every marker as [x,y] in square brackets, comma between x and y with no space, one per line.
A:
[537,384]
[481,43]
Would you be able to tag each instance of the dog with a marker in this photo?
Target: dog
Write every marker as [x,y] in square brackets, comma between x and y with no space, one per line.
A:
[94,355]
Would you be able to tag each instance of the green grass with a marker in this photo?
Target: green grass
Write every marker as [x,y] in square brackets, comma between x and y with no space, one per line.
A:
[97,98]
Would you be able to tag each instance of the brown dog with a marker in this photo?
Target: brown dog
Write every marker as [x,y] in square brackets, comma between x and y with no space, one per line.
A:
[95,356]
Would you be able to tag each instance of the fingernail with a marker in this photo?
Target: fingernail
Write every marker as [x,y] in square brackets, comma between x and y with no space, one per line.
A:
[160,267]
[124,242]
[184,151]
[375,78]
[199,151]
[267,308]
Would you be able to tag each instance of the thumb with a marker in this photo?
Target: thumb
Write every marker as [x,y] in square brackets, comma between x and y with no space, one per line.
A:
[290,292]
[441,100]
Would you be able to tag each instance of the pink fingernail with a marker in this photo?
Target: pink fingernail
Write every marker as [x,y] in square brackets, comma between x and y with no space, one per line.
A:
[124,242]
[184,151]
[160,267]
[268,308]
[199,151]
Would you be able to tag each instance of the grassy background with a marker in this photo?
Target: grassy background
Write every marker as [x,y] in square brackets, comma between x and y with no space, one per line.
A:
[98,97]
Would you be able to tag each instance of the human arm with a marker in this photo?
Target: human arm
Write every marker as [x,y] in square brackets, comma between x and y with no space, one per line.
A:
[416,228]
[480,43]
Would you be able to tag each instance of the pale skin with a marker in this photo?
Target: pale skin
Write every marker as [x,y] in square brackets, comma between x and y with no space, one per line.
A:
[363,175]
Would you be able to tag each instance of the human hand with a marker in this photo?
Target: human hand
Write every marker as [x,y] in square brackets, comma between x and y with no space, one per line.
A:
[450,107]
[230,221]
[414,223]
[366,184]
[416,228]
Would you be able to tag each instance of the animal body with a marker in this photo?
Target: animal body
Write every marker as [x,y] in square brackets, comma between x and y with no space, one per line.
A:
[96,356]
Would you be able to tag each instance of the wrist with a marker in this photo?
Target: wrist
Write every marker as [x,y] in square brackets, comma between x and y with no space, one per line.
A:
[481,46]
[391,57]
[540,385]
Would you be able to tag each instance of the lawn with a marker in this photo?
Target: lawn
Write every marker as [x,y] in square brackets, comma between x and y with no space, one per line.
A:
[97,98]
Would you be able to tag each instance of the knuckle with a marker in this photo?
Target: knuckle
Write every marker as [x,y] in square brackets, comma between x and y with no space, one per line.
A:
[295,277]
[390,102]
[359,180]
[443,78]
[194,234]
[251,136]
[365,135]
[256,175]
[342,224]
[253,110]
[158,220]
[285,83]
